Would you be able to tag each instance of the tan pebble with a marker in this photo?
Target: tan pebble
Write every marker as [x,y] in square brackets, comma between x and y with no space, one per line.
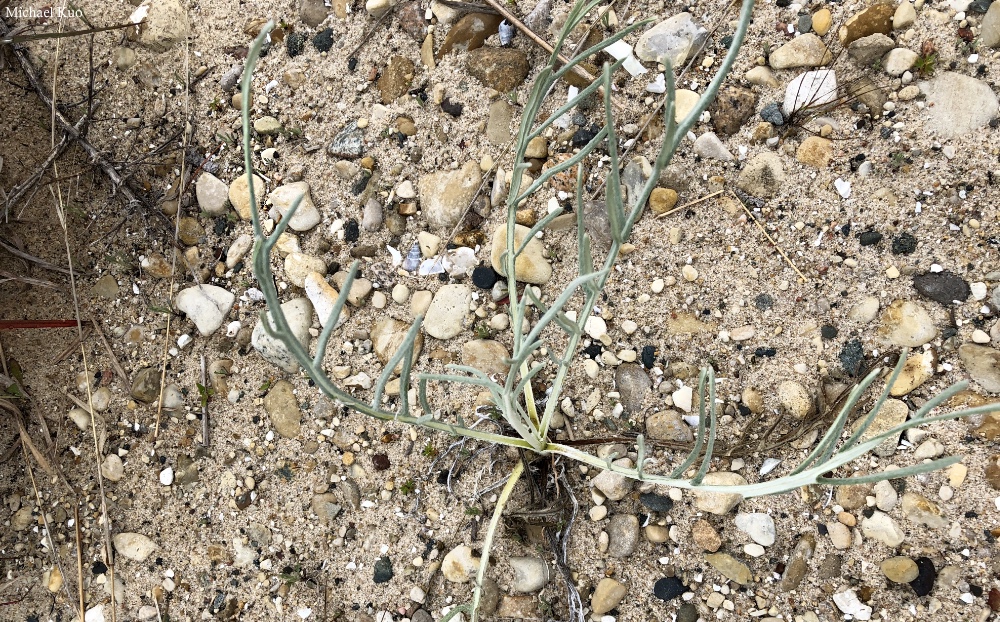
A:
[847,518]
[348,458]
[956,474]
[657,534]
[690,273]
[821,21]
[892,272]
[662,200]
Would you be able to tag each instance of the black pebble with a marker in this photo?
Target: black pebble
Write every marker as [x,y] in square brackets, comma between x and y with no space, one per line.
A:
[851,357]
[484,277]
[295,43]
[383,570]
[764,302]
[655,502]
[870,238]
[768,352]
[926,575]
[99,567]
[648,356]
[821,528]
[584,135]
[593,350]
[352,64]
[323,40]
[452,108]
[351,231]
[828,332]
[904,244]
[360,183]
[381,462]
[944,287]
[668,588]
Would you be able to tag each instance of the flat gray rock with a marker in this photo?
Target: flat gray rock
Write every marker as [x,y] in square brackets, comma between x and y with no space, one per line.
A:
[957,104]
[298,312]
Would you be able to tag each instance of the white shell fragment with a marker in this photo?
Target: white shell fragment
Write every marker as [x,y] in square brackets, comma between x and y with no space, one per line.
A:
[619,49]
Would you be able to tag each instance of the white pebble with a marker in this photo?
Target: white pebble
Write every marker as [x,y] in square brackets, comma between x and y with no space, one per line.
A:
[980,336]
[167,476]
[657,286]
[946,492]
[689,273]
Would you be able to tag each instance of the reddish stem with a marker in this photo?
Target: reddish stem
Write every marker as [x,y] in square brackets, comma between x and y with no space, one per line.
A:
[16,324]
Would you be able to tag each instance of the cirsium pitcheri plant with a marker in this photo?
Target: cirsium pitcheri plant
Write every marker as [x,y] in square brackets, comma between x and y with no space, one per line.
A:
[513,395]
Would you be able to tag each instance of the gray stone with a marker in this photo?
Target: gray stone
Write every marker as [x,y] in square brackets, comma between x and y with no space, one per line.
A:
[371,219]
[633,385]
[283,409]
[446,316]
[710,146]
[501,69]
[957,104]
[672,39]
[983,364]
[623,535]
[498,124]
[530,574]
[990,27]
[348,143]
[445,195]
[213,194]
[205,305]
[105,287]
[614,486]
[298,313]
[867,50]
[146,385]
[325,507]
[798,563]
[313,12]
